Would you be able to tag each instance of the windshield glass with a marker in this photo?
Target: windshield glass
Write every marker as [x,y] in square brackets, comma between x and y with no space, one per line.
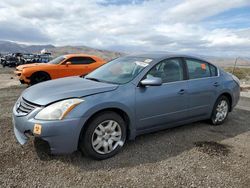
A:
[120,71]
[57,60]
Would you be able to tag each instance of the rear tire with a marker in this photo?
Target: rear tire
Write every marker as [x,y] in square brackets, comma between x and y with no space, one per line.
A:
[104,136]
[39,77]
[220,111]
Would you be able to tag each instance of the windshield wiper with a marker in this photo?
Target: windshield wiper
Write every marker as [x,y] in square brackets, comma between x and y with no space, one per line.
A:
[98,80]
[94,79]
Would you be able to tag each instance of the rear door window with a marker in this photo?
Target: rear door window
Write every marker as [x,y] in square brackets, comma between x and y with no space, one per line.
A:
[197,69]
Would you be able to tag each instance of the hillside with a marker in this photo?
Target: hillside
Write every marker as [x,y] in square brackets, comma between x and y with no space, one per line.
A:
[107,55]
[12,47]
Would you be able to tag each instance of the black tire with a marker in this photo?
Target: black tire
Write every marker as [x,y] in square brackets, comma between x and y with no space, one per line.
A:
[85,141]
[39,77]
[213,119]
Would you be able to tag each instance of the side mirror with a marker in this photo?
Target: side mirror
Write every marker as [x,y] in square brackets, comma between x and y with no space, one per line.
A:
[152,81]
[68,63]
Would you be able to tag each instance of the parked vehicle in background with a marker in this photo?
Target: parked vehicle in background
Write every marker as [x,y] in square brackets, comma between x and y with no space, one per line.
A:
[1,58]
[44,58]
[29,58]
[36,58]
[63,66]
[11,60]
[124,98]
[16,59]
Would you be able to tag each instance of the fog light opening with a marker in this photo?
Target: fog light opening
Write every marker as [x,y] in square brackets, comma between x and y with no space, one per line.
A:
[42,148]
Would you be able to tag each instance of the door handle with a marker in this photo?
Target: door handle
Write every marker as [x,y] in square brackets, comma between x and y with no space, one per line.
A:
[216,84]
[181,92]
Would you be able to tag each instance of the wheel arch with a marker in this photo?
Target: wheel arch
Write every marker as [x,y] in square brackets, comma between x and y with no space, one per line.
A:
[124,115]
[40,72]
[229,96]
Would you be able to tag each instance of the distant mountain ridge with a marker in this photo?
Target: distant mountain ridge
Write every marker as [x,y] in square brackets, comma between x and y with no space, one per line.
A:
[13,47]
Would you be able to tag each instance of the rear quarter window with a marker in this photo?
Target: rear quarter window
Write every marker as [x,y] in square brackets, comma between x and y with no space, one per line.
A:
[81,60]
[213,70]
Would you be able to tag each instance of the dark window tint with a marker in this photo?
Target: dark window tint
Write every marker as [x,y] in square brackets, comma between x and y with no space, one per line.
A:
[213,70]
[80,60]
[169,70]
[197,69]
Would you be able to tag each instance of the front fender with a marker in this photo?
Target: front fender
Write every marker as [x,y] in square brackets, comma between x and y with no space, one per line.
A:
[116,99]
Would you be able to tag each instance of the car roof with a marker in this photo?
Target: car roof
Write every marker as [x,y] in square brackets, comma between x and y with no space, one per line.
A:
[81,55]
[164,55]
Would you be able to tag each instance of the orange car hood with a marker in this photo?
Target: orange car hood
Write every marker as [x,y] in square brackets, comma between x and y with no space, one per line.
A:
[20,67]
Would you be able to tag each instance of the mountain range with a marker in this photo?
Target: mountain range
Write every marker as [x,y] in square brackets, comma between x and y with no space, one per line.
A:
[13,47]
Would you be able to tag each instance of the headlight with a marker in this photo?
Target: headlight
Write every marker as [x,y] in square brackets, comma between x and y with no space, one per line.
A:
[58,110]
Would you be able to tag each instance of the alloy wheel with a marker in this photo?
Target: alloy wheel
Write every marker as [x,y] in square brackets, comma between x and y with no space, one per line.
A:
[107,137]
[221,111]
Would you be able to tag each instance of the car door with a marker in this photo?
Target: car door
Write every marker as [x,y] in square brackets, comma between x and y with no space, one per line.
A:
[203,87]
[159,105]
[79,66]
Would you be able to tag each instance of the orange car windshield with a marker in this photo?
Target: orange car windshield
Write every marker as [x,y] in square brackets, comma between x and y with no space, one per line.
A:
[57,60]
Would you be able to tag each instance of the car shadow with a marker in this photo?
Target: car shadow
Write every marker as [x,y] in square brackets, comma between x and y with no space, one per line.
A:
[159,146]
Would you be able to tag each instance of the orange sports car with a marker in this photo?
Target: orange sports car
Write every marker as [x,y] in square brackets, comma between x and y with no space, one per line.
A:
[62,66]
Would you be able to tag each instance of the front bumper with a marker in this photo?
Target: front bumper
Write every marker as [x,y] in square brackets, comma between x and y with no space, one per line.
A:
[21,138]
[21,77]
[61,135]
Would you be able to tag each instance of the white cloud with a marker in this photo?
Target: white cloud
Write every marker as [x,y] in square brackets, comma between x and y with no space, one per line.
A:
[196,10]
[150,25]
[226,38]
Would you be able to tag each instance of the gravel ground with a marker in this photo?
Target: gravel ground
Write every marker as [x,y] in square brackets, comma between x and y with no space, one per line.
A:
[7,78]
[194,155]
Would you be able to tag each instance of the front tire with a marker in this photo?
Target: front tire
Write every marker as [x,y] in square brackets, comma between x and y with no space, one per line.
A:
[104,136]
[220,111]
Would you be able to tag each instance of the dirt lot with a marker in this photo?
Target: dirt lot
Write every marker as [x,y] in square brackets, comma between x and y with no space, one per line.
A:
[7,78]
[194,155]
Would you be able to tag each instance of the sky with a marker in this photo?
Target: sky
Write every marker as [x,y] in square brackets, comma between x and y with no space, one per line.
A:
[207,27]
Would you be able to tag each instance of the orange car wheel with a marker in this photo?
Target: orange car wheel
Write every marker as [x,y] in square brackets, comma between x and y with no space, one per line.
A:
[39,77]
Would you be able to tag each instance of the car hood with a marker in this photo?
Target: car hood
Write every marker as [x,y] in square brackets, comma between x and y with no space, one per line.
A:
[71,87]
[21,67]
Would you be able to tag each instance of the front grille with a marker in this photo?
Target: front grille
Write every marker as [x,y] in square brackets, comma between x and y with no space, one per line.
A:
[24,107]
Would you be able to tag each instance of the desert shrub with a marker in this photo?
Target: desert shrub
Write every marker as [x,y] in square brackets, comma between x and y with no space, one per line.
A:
[241,73]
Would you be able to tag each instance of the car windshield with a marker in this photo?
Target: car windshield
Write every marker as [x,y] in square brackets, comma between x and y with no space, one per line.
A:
[57,60]
[119,71]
